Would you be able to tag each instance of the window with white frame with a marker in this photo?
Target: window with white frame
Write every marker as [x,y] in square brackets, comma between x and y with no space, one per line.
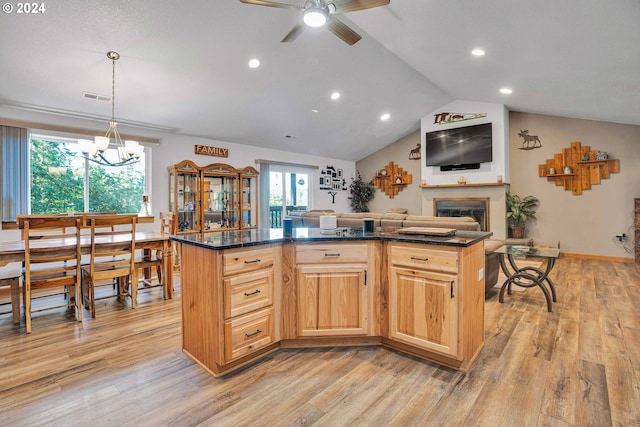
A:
[60,180]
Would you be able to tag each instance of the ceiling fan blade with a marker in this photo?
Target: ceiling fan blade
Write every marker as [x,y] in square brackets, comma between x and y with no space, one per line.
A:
[294,33]
[341,30]
[344,6]
[270,4]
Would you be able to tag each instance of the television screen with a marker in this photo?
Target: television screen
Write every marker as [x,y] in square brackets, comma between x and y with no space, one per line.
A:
[468,145]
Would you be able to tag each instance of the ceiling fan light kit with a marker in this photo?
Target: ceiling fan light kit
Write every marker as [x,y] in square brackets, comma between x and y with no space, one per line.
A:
[314,17]
[317,13]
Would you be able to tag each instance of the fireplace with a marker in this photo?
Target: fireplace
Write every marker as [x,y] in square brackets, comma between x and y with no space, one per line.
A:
[477,208]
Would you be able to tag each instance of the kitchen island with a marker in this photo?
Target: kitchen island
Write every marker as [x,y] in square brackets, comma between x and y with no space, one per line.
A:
[247,293]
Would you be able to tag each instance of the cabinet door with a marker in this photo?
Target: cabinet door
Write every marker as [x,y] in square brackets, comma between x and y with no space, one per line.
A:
[423,309]
[188,204]
[332,300]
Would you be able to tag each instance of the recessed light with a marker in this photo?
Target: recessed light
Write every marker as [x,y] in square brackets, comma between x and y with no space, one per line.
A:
[314,111]
[385,116]
[254,63]
[477,52]
[335,95]
[506,90]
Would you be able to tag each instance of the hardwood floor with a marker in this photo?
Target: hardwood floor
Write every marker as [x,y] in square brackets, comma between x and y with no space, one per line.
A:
[577,366]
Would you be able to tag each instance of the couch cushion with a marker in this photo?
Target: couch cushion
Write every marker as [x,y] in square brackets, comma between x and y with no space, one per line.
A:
[398,210]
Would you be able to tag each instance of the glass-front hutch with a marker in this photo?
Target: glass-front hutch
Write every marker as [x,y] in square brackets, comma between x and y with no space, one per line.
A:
[216,197]
[220,197]
[249,199]
[184,200]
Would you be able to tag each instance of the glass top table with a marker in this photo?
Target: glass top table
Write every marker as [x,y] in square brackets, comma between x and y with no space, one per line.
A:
[528,276]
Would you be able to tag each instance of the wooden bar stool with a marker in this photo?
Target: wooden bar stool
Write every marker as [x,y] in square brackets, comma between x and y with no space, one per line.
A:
[10,278]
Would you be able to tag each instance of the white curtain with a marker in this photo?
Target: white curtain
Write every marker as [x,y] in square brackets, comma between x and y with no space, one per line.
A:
[14,152]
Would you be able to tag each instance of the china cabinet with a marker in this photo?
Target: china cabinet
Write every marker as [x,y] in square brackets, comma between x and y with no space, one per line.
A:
[215,197]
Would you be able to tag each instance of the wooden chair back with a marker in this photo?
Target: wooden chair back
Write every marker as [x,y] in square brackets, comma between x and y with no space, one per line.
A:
[112,254]
[166,223]
[48,266]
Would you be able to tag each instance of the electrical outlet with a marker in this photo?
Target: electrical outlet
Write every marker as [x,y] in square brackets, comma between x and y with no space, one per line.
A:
[480,274]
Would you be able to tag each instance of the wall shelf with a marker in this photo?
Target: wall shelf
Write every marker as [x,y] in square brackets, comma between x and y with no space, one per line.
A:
[585,172]
[387,183]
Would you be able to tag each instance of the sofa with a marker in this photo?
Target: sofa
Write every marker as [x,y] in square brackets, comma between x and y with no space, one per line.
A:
[399,219]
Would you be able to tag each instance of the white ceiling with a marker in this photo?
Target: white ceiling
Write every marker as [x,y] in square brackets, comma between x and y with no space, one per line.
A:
[183,66]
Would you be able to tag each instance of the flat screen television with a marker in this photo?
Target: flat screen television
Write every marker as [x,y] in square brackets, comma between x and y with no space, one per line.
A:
[459,148]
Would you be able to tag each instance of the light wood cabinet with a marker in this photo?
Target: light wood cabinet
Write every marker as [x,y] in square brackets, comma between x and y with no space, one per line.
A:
[333,293]
[426,300]
[435,300]
[216,197]
[423,308]
[230,311]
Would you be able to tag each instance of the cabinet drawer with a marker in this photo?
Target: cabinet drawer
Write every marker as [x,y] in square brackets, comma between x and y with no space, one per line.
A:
[248,292]
[331,254]
[236,262]
[425,259]
[248,333]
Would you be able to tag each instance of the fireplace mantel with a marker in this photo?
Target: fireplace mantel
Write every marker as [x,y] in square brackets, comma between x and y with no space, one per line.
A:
[475,184]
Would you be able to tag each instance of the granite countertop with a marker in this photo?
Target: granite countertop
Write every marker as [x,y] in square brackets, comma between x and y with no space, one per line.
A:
[243,238]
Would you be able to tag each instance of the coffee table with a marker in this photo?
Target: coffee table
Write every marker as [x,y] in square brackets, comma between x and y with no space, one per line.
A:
[528,276]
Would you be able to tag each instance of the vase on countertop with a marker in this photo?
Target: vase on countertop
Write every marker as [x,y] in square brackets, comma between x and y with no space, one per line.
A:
[328,224]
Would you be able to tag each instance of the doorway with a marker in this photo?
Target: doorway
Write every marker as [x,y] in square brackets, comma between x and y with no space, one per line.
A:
[289,190]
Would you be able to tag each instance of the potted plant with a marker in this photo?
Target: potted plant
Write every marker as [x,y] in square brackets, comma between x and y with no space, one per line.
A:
[361,194]
[519,210]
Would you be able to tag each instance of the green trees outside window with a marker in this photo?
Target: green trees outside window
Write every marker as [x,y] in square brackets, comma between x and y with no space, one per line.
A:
[59,176]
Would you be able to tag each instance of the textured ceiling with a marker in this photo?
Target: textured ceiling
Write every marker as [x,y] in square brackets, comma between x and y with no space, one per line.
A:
[183,66]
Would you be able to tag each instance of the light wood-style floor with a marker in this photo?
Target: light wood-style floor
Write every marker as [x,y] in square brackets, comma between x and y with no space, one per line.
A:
[577,366]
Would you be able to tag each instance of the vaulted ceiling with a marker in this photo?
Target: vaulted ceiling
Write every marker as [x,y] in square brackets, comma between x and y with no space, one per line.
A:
[183,66]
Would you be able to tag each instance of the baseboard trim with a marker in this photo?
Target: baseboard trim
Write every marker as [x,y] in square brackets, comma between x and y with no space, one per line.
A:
[597,257]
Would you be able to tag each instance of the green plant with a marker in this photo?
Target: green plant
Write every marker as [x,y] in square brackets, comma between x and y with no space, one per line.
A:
[519,210]
[361,194]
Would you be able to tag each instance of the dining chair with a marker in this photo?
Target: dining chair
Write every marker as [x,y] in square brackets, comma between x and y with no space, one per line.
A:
[10,279]
[112,256]
[148,261]
[51,264]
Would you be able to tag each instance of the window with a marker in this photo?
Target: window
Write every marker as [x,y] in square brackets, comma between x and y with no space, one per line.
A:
[62,180]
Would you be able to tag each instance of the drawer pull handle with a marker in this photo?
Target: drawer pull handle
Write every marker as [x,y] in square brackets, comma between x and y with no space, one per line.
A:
[328,254]
[258,331]
[253,261]
[248,294]
[415,258]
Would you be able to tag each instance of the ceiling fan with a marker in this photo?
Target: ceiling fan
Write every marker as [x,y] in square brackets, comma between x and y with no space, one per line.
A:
[317,13]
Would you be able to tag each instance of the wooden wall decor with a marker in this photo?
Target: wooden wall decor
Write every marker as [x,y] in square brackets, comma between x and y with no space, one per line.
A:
[577,169]
[392,179]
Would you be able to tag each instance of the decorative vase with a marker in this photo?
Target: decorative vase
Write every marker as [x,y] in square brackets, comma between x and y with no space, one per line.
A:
[328,224]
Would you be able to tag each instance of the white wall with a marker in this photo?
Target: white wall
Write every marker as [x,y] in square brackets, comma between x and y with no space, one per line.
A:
[586,223]
[175,148]
[498,115]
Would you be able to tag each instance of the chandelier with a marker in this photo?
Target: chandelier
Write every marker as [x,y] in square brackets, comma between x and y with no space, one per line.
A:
[129,152]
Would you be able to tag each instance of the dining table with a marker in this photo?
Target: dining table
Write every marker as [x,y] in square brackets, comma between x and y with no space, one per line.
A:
[14,251]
